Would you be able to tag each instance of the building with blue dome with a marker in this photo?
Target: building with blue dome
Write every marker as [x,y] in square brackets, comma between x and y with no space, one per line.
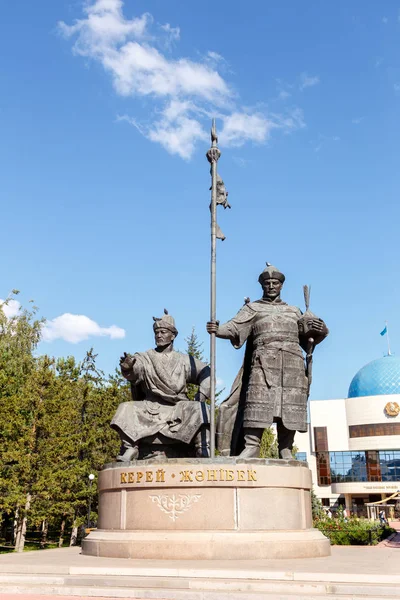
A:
[353,444]
[380,377]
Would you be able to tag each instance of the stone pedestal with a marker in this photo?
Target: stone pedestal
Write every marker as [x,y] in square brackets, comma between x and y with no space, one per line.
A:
[222,508]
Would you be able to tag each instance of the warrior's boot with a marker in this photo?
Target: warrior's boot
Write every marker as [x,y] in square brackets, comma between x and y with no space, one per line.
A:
[252,441]
[128,451]
[285,441]
[202,442]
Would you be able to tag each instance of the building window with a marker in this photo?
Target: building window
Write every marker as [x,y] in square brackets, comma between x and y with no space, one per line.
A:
[322,455]
[321,439]
[356,431]
[348,466]
[370,465]
[323,468]
[301,456]
[389,462]
[373,465]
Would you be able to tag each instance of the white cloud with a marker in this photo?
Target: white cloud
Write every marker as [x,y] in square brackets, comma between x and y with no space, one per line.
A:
[385,20]
[77,328]
[184,92]
[357,120]
[11,309]
[138,68]
[241,127]
[308,81]
[179,136]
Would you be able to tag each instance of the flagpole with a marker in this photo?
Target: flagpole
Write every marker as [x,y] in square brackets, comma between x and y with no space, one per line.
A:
[387,337]
[212,156]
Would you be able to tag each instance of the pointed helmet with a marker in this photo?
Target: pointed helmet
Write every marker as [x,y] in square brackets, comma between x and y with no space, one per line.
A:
[271,272]
[166,322]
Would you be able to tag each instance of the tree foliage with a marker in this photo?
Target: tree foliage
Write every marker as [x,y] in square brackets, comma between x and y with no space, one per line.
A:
[269,444]
[193,348]
[54,429]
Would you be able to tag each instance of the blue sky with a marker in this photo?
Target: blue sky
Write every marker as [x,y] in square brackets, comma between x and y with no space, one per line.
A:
[105,111]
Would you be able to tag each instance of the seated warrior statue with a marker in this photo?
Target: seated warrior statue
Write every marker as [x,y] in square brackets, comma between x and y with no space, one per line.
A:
[273,383]
[161,421]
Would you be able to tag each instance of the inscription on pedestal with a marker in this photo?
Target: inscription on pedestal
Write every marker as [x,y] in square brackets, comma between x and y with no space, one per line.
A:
[188,476]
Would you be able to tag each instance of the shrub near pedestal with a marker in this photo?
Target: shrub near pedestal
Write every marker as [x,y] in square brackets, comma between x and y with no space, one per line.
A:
[352,532]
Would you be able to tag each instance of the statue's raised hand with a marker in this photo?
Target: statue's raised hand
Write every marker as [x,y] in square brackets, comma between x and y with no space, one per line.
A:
[126,361]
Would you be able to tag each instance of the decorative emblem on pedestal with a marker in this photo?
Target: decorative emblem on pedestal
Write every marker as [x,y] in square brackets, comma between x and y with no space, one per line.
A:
[174,506]
[392,409]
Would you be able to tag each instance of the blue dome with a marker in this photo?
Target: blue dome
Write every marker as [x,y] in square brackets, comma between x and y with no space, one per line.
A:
[377,378]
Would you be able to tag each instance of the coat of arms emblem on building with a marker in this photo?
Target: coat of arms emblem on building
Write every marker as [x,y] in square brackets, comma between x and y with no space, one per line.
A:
[392,409]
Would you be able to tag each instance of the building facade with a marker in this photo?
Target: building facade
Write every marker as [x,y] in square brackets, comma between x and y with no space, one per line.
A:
[353,444]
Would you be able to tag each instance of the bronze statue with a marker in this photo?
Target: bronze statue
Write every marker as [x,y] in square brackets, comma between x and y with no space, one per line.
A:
[273,383]
[161,421]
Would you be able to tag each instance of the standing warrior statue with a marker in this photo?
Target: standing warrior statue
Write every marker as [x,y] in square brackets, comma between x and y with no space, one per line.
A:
[272,385]
[161,421]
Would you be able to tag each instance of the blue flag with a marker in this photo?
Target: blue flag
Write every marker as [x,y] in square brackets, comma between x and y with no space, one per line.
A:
[384,331]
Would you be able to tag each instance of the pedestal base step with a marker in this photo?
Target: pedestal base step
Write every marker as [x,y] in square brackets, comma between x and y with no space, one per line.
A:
[207,545]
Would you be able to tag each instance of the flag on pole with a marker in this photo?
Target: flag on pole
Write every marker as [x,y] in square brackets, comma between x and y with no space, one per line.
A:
[384,331]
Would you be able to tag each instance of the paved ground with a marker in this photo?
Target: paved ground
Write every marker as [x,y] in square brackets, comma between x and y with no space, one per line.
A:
[393,541]
[369,560]
[350,568]
[40,597]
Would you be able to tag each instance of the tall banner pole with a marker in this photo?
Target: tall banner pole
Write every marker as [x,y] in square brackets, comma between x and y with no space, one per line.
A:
[212,156]
[387,336]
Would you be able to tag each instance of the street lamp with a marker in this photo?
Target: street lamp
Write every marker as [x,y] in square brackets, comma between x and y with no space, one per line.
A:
[91,477]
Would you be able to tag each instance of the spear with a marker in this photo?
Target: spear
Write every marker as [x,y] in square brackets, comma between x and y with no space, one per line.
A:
[212,156]
[311,341]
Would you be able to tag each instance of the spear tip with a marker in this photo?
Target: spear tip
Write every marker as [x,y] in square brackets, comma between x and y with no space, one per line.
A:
[214,137]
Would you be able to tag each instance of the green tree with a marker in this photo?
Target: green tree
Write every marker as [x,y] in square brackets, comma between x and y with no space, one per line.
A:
[54,429]
[316,506]
[193,348]
[19,336]
[269,444]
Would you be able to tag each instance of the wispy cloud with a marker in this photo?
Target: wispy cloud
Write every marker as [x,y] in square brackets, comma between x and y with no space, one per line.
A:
[184,92]
[240,161]
[77,328]
[323,140]
[173,34]
[307,81]
[357,120]
[283,94]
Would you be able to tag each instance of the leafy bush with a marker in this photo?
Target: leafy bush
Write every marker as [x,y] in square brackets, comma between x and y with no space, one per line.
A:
[353,531]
